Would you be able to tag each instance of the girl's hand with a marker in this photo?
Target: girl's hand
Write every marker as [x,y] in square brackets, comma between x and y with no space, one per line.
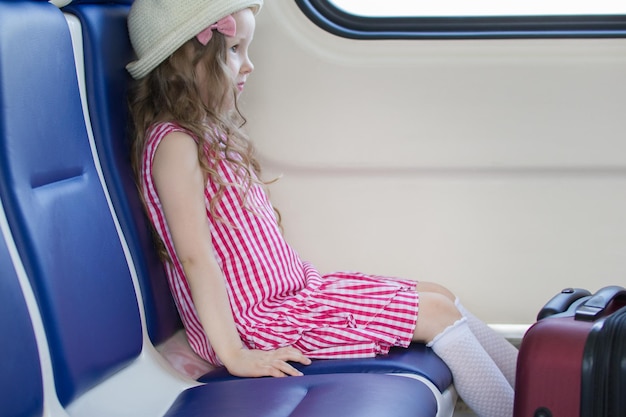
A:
[256,363]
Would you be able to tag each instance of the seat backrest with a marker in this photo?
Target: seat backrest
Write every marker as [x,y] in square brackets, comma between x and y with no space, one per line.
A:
[107,50]
[56,207]
[21,387]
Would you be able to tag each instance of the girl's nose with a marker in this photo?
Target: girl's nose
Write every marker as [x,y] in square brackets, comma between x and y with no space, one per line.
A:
[247,66]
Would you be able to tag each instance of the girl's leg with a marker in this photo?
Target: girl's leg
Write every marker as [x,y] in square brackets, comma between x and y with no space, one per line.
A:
[503,353]
[476,376]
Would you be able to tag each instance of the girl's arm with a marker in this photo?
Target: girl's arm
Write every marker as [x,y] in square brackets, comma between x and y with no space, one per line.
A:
[180,184]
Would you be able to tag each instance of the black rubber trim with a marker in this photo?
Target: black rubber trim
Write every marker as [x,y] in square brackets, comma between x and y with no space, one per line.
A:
[332,19]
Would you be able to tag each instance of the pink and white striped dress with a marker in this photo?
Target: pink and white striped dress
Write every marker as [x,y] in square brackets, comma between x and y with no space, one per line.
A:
[277,299]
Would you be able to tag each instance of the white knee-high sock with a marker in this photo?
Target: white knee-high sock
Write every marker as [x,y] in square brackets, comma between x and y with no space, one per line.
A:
[503,353]
[476,377]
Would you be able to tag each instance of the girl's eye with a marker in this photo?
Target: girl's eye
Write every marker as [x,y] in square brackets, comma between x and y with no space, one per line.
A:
[234,48]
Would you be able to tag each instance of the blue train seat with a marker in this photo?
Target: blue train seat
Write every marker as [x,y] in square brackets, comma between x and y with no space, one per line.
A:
[417,360]
[330,395]
[107,50]
[54,204]
[59,215]
[21,387]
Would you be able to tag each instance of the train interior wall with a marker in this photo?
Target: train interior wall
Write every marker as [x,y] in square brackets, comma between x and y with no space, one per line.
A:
[494,167]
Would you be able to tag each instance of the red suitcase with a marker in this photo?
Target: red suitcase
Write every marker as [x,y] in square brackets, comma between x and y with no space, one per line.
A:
[572,361]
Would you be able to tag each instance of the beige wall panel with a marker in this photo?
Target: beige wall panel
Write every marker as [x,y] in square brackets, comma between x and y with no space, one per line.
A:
[495,167]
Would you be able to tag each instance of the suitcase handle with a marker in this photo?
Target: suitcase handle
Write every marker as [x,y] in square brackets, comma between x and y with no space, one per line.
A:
[594,307]
[562,301]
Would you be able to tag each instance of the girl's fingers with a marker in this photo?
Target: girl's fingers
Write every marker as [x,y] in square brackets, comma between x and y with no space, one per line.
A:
[286,369]
[282,356]
[293,355]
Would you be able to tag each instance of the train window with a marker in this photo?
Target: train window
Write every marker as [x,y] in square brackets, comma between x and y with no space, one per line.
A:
[461,19]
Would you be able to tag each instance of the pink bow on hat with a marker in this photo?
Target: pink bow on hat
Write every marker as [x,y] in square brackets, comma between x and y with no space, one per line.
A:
[226,26]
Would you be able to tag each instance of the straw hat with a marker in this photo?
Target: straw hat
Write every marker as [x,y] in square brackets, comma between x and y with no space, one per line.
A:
[157,28]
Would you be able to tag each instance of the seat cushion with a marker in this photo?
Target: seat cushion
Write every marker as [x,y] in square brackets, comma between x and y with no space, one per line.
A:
[417,359]
[344,395]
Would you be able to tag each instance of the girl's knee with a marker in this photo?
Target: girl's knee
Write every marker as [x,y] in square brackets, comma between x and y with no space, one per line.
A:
[436,312]
[433,287]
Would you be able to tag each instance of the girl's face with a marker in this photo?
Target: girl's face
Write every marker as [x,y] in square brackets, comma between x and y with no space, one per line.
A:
[237,48]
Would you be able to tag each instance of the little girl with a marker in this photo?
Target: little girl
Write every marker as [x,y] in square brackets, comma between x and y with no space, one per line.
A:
[246,299]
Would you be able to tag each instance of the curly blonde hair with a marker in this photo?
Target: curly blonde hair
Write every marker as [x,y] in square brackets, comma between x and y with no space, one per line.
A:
[171,92]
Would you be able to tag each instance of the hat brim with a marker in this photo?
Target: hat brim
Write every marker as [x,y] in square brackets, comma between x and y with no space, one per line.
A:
[168,44]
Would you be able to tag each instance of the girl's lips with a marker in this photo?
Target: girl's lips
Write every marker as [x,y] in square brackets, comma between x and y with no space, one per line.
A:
[240,86]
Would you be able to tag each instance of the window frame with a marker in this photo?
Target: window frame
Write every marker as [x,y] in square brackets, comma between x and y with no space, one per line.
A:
[334,20]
